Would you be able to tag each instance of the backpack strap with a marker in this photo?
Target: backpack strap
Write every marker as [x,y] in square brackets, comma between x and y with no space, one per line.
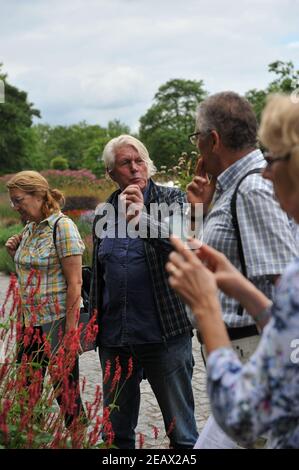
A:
[55,229]
[233,210]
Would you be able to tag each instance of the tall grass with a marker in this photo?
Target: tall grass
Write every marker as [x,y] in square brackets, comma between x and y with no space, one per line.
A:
[7,264]
[6,211]
[71,183]
[6,232]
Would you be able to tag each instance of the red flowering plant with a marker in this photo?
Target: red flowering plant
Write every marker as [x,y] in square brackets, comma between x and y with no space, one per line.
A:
[29,416]
[117,384]
[116,377]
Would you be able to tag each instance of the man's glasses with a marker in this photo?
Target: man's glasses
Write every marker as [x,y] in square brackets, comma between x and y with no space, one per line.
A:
[270,159]
[193,138]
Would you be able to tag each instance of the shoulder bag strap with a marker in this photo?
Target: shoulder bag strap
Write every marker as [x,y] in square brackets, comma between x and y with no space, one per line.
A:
[55,229]
[233,209]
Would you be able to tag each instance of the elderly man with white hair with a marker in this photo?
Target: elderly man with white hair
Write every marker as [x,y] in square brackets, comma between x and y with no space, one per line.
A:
[143,325]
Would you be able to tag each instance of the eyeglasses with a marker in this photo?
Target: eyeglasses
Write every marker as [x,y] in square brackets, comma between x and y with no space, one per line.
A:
[193,138]
[16,202]
[270,159]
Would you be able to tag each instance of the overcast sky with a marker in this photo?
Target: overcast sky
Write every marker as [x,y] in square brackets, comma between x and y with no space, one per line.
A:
[98,60]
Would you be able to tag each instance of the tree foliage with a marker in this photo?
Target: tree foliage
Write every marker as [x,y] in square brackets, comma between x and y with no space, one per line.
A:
[68,142]
[59,163]
[16,115]
[80,144]
[91,157]
[286,81]
[165,127]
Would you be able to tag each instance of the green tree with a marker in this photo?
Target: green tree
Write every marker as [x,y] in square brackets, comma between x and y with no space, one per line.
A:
[80,144]
[92,155]
[59,163]
[16,115]
[165,126]
[69,142]
[39,157]
[286,81]
[116,128]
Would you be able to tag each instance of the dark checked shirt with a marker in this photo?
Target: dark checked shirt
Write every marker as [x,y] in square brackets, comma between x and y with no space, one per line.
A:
[171,313]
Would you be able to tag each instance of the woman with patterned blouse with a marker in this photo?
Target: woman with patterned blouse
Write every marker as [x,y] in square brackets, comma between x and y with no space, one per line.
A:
[261,395]
[49,277]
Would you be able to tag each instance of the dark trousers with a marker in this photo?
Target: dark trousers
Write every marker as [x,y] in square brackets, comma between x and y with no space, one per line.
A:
[35,352]
[168,368]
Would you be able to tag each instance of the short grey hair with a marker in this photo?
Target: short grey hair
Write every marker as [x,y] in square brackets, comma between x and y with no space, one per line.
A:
[111,147]
[231,116]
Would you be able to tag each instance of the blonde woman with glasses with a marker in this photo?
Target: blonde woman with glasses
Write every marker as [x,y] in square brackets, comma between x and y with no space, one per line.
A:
[51,269]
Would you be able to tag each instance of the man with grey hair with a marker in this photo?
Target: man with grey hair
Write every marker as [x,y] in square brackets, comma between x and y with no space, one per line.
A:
[242,217]
[143,325]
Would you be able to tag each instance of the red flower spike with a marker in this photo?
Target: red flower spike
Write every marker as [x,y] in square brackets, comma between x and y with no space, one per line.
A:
[130,368]
[107,371]
[141,440]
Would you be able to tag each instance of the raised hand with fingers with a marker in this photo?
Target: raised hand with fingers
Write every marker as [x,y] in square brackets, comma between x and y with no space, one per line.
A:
[191,278]
[201,188]
[133,198]
[231,281]
[226,275]
[12,244]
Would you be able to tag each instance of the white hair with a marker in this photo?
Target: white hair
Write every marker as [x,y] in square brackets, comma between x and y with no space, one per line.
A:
[110,150]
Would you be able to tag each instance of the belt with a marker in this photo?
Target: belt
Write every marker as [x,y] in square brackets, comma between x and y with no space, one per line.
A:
[237,333]
[242,332]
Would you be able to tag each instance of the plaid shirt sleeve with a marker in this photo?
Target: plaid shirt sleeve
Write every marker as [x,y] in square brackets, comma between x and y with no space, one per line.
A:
[68,239]
[266,231]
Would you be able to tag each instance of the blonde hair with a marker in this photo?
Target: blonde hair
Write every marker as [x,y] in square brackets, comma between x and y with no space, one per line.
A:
[279,130]
[34,183]
[124,139]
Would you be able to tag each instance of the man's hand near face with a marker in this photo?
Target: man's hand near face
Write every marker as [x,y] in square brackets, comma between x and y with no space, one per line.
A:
[133,199]
[201,189]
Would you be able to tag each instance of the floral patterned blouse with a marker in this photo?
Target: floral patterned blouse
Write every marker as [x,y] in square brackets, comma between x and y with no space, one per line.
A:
[263,394]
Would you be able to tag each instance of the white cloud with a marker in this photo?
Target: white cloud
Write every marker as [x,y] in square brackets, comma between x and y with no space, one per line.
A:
[96,60]
[293,45]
